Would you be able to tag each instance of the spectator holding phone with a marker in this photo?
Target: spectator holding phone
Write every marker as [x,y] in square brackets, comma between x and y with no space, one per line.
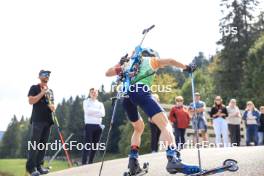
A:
[251,117]
[233,121]
[219,113]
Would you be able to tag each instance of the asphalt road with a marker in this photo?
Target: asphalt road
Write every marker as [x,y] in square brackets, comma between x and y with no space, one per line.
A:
[250,161]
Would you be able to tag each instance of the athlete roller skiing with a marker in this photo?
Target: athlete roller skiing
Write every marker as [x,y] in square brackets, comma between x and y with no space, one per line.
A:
[139,94]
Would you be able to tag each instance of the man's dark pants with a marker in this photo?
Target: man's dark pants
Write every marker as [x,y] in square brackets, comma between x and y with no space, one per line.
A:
[40,132]
[234,131]
[155,135]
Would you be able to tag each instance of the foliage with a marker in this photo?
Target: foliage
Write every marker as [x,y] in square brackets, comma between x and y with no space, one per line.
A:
[165,85]
[236,71]
[16,167]
[229,74]
[203,85]
[253,82]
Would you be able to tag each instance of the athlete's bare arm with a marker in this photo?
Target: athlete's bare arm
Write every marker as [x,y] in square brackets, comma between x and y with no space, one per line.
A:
[113,71]
[160,64]
[170,62]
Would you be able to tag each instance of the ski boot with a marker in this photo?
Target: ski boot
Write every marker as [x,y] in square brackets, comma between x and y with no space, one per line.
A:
[175,165]
[133,166]
[42,170]
[135,169]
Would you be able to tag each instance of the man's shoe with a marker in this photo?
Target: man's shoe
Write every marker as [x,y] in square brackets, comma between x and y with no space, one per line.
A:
[35,173]
[42,170]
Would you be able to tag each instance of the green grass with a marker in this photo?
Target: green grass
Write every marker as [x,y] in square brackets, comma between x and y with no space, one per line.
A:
[16,167]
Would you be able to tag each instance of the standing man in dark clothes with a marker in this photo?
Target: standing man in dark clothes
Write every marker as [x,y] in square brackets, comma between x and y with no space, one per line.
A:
[41,121]
[261,126]
[155,131]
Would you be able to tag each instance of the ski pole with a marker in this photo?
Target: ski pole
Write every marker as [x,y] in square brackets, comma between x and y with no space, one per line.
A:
[102,127]
[196,123]
[55,155]
[62,139]
[119,95]
[55,119]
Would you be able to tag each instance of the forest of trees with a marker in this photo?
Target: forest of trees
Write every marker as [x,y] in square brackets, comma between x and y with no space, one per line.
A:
[236,71]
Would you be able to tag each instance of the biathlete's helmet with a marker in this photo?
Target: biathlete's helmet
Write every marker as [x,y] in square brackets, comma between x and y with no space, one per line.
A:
[148,52]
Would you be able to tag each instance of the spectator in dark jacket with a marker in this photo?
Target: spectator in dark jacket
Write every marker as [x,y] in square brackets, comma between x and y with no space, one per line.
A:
[219,113]
[251,117]
[180,119]
[261,126]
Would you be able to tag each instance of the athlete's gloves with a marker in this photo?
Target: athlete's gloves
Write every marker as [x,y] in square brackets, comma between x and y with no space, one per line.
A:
[190,68]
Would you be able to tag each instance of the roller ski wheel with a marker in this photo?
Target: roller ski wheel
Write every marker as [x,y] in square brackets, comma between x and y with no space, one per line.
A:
[228,165]
[232,163]
[145,165]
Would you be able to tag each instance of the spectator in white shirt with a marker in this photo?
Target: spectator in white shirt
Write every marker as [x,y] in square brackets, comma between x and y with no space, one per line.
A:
[93,113]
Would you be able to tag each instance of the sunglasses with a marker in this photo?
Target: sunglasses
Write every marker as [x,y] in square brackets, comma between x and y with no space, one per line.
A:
[45,74]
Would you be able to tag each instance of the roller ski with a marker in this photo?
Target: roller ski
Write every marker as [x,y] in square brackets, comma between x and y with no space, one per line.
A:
[135,169]
[228,165]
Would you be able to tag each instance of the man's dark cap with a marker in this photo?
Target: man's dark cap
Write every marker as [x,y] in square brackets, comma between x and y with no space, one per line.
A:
[44,73]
